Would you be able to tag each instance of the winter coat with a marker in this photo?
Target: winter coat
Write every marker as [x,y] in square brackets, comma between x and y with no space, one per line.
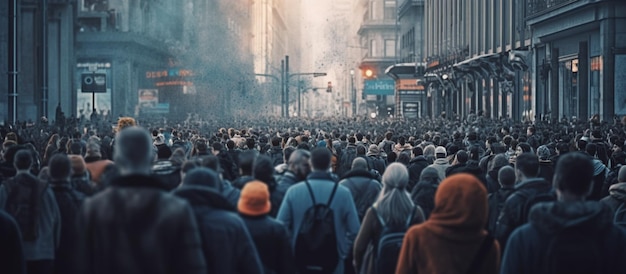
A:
[276,154]
[284,183]
[230,193]
[546,170]
[163,151]
[441,165]
[376,162]
[448,241]
[69,201]
[298,200]
[97,167]
[11,256]
[228,166]
[496,202]
[527,249]
[416,165]
[512,214]
[271,240]
[617,196]
[48,220]
[368,238]
[227,245]
[364,189]
[134,226]
[423,194]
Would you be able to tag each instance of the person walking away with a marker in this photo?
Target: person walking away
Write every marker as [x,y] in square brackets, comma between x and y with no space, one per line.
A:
[570,235]
[362,185]
[453,239]
[506,178]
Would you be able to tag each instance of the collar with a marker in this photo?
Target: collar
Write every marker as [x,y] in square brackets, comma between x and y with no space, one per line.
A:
[320,175]
[203,196]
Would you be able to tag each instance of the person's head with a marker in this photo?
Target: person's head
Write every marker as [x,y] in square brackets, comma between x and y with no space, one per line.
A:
[78,164]
[133,151]
[320,159]
[573,177]
[430,174]
[506,177]
[217,148]
[543,152]
[276,141]
[299,163]
[124,122]
[461,157]
[460,201]
[201,176]
[526,166]
[178,157]
[404,158]
[263,169]
[360,150]
[246,162]
[440,152]
[60,167]
[591,149]
[497,162]
[359,163]
[23,160]
[522,148]
[530,130]
[254,199]
[93,151]
[287,151]
[394,203]
[417,151]
[621,176]
[429,151]
[373,150]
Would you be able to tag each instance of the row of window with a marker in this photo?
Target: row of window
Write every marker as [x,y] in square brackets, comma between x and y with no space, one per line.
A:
[389,49]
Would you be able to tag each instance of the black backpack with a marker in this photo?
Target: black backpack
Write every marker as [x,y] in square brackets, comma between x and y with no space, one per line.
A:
[316,242]
[574,250]
[24,202]
[389,244]
[531,199]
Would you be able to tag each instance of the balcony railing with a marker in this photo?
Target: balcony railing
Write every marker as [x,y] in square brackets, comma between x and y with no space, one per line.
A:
[536,7]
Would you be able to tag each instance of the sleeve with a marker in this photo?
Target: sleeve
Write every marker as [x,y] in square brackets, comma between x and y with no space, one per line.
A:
[406,264]
[363,239]
[12,259]
[56,217]
[285,212]
[190,258]
[286,260]
[351,219]
[3,196]
[248,257]
[505,224]
[512,259]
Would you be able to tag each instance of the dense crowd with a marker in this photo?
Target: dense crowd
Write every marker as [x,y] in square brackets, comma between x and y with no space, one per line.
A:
[274,195]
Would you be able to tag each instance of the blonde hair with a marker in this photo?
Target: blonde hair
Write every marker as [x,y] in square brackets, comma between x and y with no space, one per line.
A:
[125,122]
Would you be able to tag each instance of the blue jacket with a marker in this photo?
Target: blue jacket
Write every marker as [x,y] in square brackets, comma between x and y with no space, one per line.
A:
[298,200]
[527,248]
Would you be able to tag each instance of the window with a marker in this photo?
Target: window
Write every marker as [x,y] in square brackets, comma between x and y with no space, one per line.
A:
[390,48]
[373,50]
[390,10]
[373,10]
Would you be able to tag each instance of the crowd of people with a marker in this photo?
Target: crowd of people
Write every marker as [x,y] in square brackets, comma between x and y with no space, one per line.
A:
[275,195]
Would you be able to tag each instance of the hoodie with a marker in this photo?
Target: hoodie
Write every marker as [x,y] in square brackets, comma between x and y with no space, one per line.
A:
[448,240]
[617,196]
[527,248]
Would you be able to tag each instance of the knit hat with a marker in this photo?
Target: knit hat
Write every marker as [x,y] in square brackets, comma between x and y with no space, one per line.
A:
[321,143]
[543,152]
[373,150]
[440,150]
[78,164]
[254,199]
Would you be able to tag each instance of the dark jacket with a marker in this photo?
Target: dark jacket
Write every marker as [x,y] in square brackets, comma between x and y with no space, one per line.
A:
[11,257]
[617,196]
[134,226]
[496,202]
[376,162]
[364,189]
[227,245]
[416,165]
[527,250]
[69,201]
[512,214]
[240,182]
[271,240]
[276,154]
[284,183]
[163,151]
[228,166]
[546,170]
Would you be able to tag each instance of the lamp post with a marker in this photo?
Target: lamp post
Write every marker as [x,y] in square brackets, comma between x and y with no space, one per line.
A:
[315,74]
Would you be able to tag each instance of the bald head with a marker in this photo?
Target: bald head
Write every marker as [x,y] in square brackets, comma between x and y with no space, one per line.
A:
[133,151]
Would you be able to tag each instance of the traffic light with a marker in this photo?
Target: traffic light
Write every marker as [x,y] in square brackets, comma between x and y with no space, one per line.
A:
[368,72]
[330,87]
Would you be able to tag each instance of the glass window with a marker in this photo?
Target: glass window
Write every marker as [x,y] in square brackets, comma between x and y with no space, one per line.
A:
[373,50]
[390,48]
[595,85]
[568,76]
[390,10]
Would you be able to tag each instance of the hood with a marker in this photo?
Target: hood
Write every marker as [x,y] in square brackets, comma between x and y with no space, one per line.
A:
[553,217]
[441,161]
[358,173]
[538,183]
[203,196]
[419,158]
[460,208]
[618,191]
[276,149]
[598,167]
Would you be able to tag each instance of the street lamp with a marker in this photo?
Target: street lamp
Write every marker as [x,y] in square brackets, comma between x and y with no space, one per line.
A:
[353,90]
[315,74]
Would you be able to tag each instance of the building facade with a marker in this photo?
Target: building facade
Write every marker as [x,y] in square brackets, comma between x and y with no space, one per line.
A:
[579,66]
[378,33]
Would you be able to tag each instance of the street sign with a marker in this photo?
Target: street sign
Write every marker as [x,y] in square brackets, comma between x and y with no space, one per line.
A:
[379,87]
[93,82]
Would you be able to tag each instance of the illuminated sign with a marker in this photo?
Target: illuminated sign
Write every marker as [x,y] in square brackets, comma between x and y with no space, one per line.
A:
[379,87]
[169,73]
[408,84]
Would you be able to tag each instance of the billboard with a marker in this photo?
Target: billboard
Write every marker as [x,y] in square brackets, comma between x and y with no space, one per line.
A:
[379,87]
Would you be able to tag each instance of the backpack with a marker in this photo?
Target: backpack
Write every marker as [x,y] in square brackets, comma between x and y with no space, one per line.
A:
[573,250]
[531,201]
[316,242]
[24,201]
[620,215]
[389,244]
[346,160]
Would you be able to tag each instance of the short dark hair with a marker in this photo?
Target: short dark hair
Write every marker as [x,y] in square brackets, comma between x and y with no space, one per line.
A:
[60,167]
[417,151]
[574,173]
[246,161]
[275,141]
[461,156]
[528,164]
[22,159]
[360,150]
[320,158]
[263,169]
[217,146]
[230,144]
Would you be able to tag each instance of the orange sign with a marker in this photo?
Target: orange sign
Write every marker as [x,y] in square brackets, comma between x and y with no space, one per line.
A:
[408,84]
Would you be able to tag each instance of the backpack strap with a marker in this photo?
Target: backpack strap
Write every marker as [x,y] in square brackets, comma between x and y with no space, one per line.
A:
[308,186]
[408,221]
[332,195]
[482,251]
[380,218]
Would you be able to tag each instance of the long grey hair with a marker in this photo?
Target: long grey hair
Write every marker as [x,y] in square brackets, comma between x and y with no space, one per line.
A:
[394,203]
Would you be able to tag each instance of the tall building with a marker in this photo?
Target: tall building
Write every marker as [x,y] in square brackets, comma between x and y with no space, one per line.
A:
[378,33]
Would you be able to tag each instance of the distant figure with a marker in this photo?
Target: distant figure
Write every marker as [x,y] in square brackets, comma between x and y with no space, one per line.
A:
[136,218]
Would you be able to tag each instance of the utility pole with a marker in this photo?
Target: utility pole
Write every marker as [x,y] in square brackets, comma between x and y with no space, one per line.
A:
[286,86]
[13,58]
[353,91]
[282,88]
